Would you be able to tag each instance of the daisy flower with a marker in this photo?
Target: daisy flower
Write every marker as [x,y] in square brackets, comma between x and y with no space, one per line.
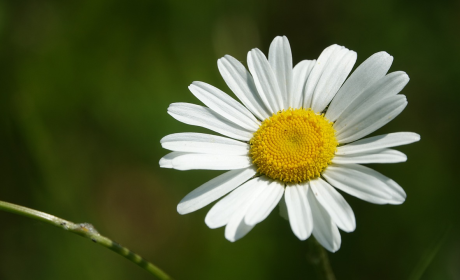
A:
[295,138]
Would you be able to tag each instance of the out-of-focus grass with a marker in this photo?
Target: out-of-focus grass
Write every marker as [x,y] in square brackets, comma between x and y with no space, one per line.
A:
[428,257]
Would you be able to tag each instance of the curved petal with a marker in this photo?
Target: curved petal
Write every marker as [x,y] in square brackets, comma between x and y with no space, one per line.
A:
[299,211]
[283,209]
[223,210]
[201,116]
[370,119]
[364,183]
[224,105]
[265,202]
[300,75]
[204,143]
[378,156]
[378,142]
[189,161]
[335,72]
[214,189]
[237,227]
[265,81]
[166,161]
[280,59]
[324,229]
[334,203]
[370,71]
[240,81]
[316,73]
[388,86]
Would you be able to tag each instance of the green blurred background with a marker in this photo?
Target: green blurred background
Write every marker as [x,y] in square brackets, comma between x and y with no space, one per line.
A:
[84,88]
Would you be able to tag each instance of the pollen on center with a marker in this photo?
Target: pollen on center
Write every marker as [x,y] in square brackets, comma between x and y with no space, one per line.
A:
[293,145]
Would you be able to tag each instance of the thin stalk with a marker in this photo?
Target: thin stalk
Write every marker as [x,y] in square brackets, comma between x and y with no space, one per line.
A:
[88,231]
[429,255]
[317,256]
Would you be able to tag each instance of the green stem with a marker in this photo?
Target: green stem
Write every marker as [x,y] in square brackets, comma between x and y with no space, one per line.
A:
[428,256]
[88,231]
[317,256]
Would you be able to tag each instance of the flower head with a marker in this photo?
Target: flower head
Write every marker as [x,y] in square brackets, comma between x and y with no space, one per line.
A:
[296,134]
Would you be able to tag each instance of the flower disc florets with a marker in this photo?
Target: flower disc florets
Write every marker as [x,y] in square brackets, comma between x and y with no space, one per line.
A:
[293,146]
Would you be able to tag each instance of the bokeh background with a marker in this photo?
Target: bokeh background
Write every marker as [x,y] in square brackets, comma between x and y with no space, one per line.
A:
[84,88]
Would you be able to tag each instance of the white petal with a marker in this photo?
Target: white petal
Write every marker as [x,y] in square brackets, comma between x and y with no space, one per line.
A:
[370,71]
[214,189]
[316,73]
[280,59]
[300,74]
[189,161]
[324,229]
[201,116]
[265,80]
[299,211]
[224,105]
[371,119]
[364,183]
[265,202]
[377,156]
[334,203]
[283,209]
[387,86]
[240,81]
[204,143]
[166,161]
[338,67]
[236,227]
[397,194]
[378,142]
[222,211]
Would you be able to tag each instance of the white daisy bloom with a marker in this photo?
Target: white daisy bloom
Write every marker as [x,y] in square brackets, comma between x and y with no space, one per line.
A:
[293,141]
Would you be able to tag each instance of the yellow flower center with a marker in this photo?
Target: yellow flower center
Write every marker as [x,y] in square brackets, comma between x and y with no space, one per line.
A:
[293,146]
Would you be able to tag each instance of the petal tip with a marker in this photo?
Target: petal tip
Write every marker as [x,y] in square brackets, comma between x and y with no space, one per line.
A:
[165,163]
[209,222]
[250,221]
[398,200]
[230,238]
[302,237]
[181,209]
